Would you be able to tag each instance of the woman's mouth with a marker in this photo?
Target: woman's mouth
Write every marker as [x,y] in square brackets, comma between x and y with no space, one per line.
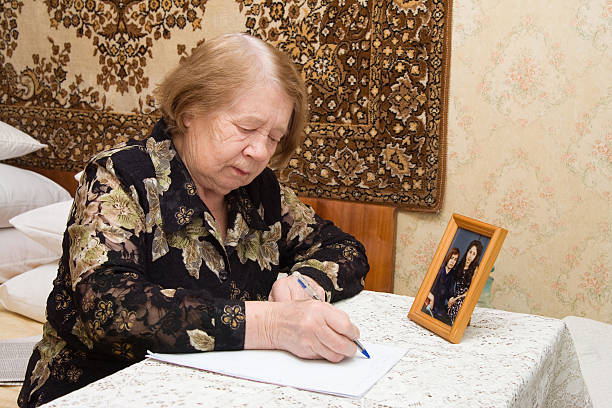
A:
[241,172]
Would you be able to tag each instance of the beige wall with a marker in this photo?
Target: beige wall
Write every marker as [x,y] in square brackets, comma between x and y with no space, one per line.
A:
[529,149]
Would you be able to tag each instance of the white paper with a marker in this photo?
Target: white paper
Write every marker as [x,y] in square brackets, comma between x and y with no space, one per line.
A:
[351,377]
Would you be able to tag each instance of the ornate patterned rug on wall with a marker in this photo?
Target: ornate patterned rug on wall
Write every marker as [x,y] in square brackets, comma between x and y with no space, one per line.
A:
[78,75]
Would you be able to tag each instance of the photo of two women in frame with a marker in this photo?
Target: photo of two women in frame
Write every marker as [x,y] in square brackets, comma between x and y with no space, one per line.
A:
[447,294]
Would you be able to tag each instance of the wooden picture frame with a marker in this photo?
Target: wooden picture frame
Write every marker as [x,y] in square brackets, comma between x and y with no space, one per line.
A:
[449,318]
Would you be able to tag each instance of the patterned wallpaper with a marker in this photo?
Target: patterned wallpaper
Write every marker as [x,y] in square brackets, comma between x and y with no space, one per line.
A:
[529,149]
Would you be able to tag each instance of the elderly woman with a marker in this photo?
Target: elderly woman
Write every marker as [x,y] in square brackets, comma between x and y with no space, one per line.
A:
[175,243]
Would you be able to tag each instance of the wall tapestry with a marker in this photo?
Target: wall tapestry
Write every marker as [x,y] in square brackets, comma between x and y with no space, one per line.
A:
[78,75]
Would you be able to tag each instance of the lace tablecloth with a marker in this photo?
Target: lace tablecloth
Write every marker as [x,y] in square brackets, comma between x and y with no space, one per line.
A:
[503,360]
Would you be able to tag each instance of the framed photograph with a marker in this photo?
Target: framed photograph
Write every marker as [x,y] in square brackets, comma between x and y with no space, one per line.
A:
[456,276]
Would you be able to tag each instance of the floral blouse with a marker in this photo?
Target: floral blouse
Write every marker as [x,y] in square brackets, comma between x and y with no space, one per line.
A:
[144,266]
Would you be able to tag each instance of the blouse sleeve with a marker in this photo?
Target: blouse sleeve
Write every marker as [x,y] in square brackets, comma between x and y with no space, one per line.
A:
[320,250]
[119,311]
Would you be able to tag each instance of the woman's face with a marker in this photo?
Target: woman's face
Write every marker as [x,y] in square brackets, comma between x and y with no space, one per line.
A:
[229,148]
[452,261]
[471,254]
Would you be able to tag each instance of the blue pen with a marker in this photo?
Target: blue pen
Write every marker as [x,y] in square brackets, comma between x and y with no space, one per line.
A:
[306,286]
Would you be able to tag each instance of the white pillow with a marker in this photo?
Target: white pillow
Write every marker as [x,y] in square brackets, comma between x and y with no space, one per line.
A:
[19,254]
[45,225]
[15,143]
[27,293]
[22,190]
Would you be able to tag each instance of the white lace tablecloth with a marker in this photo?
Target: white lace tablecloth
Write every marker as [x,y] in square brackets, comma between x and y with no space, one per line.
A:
[503,360]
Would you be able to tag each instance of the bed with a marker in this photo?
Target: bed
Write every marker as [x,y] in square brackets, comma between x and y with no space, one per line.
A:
[27,265]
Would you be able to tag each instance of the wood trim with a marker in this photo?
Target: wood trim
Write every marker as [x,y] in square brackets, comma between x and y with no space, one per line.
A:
[374,226]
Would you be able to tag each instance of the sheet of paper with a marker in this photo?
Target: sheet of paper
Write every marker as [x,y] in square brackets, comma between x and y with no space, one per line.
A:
[352,377]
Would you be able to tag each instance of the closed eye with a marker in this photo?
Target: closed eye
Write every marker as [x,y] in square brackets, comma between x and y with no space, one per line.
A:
[246,129]
[249,131]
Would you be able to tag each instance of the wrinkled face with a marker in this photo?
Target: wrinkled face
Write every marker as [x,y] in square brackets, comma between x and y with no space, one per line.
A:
[452,261]
[471,254]
[229,148]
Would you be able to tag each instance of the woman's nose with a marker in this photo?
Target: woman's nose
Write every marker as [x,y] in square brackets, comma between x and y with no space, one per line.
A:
[258,147]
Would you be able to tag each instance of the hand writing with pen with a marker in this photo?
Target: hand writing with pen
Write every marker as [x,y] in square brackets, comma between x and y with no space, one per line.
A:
[310,328]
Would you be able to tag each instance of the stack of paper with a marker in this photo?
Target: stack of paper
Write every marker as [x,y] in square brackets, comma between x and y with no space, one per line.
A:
[14,357]
[352,377]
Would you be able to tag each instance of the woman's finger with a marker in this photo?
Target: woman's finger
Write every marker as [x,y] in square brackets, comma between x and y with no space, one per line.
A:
[317,288]
[336,333]
[312,329]
[335,344]
[281,291]
[327,353]
[340,322]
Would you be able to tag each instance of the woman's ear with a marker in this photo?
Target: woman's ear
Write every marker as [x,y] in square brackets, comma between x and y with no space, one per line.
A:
[187,119]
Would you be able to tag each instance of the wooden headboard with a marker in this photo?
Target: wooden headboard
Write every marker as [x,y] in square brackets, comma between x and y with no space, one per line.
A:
[373,225]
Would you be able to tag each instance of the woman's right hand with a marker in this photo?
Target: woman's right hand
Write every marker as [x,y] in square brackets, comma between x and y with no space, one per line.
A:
[309,329]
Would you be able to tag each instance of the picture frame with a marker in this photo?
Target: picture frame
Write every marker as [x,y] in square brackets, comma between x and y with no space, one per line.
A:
[459,270]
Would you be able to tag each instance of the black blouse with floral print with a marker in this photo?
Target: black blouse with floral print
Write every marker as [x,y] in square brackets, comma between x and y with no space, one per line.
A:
[145,268]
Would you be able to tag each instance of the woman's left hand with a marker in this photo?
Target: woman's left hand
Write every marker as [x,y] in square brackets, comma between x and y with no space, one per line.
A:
[288,288]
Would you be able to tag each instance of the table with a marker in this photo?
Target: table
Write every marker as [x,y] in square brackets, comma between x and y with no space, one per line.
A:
[503,360]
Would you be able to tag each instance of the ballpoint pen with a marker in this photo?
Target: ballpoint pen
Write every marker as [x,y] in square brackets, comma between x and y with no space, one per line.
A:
[306,286]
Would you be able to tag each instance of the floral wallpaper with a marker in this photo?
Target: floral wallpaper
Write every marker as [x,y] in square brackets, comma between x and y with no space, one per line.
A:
[529,149]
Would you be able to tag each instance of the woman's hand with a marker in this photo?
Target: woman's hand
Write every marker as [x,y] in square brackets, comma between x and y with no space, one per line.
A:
[452,300]
[309,329]
[288,288]
[431,298]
